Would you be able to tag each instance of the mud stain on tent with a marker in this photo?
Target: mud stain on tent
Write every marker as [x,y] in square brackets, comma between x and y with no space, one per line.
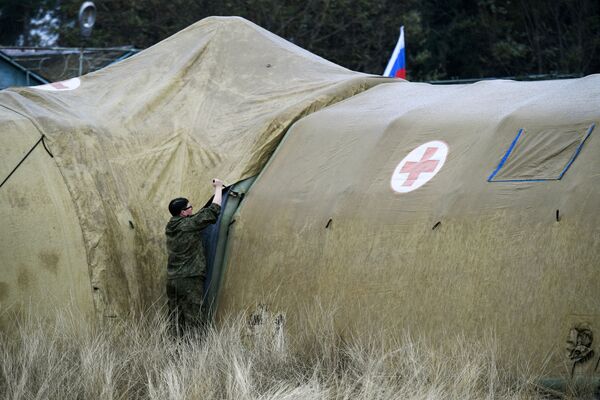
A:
[17,200]
[24,278]
[3,291]
[49,261]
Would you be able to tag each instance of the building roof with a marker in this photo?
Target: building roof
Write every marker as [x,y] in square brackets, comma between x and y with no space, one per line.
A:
[60,63]
[14,74]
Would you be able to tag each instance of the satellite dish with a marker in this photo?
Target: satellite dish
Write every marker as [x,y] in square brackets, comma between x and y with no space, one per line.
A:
[87,17]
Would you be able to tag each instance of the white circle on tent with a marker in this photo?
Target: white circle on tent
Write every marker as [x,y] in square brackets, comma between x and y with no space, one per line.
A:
[419,166]
[69,84]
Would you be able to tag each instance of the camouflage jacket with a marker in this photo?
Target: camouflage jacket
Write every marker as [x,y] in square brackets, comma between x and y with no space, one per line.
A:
[184,243]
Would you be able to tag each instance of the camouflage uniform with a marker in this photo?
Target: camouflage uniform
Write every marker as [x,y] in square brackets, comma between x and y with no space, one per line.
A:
[186,268]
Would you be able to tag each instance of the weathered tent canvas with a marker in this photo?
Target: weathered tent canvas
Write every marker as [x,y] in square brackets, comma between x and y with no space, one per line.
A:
[501,237]
[439,209]
[85,220]
[42,254]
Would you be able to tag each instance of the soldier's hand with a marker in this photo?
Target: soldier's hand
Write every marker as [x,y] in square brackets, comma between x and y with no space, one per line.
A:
[217,182]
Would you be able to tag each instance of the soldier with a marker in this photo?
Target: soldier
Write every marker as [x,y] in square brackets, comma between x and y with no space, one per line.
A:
[186,268]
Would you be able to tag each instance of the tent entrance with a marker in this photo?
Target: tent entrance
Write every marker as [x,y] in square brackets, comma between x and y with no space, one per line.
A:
[214,238]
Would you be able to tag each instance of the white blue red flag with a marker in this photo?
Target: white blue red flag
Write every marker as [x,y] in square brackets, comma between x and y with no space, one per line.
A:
[396,67]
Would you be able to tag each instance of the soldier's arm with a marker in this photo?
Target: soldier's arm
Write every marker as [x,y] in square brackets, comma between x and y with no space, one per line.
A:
[207,215]
[203,218]
[218,185]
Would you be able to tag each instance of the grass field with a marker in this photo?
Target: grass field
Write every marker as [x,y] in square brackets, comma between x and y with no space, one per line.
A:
[139,359]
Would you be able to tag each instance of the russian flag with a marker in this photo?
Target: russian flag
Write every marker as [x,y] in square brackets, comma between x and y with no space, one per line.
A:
[396,67]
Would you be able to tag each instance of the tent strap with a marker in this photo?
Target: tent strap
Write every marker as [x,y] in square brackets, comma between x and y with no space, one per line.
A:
[41,140]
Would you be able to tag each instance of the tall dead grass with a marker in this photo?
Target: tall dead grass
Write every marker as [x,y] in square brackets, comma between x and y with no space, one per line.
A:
[68,358]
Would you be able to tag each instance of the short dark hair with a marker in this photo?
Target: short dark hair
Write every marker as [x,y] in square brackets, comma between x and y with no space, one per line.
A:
[177,205]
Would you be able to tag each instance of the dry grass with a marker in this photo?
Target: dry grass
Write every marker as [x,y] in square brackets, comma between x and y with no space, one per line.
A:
[69,359]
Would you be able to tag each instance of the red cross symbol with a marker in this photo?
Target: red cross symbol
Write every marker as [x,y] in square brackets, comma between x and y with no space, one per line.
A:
[414,169]
[59,85]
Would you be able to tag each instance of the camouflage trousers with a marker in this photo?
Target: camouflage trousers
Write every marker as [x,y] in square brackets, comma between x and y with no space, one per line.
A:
[186,304]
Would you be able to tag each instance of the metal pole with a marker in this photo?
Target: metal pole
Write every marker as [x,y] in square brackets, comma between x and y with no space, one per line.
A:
[80,61]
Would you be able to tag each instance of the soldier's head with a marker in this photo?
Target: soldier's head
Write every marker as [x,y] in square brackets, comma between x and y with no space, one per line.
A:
[180,207]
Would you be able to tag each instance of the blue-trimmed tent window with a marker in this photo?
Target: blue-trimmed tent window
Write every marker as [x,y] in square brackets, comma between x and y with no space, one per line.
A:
[541,154]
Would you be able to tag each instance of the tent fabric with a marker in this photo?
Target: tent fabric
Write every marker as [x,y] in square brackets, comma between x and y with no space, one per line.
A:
[457,256]
[211,101]
[215,239]
[543,154]
[42,254]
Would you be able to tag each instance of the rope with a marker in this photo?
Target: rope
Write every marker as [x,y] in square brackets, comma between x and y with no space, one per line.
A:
[25,157]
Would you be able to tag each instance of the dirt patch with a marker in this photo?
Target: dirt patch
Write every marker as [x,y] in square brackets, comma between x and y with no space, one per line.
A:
[24,278]
[4,288]
[50,261]
[17,200]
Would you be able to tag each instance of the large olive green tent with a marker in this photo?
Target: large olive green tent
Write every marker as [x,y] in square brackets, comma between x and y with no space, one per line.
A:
[438,209]
[83,215]
[443,210]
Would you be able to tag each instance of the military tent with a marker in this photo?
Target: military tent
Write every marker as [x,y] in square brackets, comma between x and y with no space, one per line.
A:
[99,157]
[441,210]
